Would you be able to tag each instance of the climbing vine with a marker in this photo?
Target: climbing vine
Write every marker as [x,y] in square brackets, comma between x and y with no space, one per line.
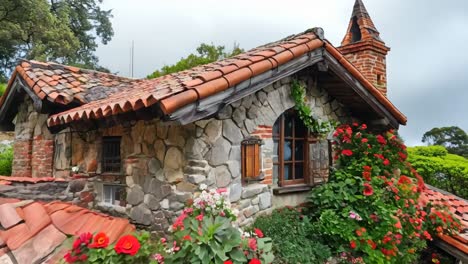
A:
[316,126]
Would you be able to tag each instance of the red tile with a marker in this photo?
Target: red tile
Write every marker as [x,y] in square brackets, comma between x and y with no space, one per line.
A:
[8,216]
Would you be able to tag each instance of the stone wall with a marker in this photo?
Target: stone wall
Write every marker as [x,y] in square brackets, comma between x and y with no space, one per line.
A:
[164,163]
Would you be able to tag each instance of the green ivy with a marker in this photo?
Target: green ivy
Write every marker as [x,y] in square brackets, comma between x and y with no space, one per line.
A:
[298,93]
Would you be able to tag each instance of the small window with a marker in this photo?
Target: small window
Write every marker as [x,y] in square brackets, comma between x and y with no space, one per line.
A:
[379,79]
[112,194]
[355,30]
[251,157]
[111,161]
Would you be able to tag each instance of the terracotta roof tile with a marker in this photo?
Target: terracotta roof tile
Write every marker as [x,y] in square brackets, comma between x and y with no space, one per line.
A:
[102,95]
[46,227]
[458,206]
[8,216]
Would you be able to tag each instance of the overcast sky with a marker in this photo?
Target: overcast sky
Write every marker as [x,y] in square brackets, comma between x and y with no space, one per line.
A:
[427,64]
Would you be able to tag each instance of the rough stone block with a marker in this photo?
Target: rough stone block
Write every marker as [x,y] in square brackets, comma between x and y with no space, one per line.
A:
[235,191]
[141,214]
[253,189]
[265,200]
[135,195]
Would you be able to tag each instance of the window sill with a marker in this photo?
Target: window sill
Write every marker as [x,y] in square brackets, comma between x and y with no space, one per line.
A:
[291,189]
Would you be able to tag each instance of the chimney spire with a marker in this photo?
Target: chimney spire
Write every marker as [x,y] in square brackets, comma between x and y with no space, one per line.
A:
[363,47]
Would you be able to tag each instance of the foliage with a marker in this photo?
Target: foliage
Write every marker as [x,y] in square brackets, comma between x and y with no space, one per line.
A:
[453,138]
[294,236]
[89,248]
[61,30]
[204,233]
[316,126]
[369,210]
[2,88]
[6,160]
[205,54]
[440,169]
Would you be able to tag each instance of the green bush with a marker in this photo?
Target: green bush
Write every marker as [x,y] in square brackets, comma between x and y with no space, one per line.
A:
[6,160]
[293,237]
[440,169]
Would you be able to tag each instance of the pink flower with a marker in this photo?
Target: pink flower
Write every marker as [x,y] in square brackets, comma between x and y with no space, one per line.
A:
[163,240]
[159,258]
[199,217]
[253,244]
[221,190]
[364,140]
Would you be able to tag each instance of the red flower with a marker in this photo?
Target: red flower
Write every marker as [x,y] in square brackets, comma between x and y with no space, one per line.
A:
[199,217]
[364,140]
[363,126]
[69,258]
[127,245]
[352,244]
[258,232]
[402,155]
[228,262]
[187,237]
[253,244]
[367,168]
[366,175]
[100,241]
[398,225]
[347,152]
[386,162]
[404,180]
[381,140]
[368,191]
[255,261]
[371,243]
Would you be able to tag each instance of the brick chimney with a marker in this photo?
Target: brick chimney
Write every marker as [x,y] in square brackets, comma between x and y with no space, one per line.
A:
[363,47]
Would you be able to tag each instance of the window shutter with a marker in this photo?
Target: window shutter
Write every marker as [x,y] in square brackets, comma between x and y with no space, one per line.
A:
[319,161]
[251,158]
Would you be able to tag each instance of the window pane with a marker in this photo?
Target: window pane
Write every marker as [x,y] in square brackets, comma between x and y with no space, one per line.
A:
[275,173]
[107,194]
[300,128]
[288,126]
[299,171]
[275,150]
[287,172]
[287,151]
[299,150]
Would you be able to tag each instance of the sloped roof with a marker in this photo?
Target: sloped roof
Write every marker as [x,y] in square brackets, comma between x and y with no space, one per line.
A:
[100,96]
[458,206]
[34,231]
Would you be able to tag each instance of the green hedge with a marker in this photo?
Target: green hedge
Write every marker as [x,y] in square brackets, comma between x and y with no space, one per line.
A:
[293,237]
[6,160]
[440,169]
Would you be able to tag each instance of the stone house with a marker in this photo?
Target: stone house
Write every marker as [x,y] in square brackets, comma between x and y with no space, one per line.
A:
[145,146]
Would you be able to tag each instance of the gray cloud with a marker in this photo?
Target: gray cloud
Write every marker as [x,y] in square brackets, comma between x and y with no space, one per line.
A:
[427,66]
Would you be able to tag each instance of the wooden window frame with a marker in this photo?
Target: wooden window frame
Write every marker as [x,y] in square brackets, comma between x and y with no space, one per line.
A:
[280,138]
[112,162]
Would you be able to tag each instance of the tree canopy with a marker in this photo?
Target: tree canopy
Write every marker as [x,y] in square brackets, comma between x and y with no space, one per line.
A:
[66,31]
[453,138]
[205,54]
[440,168]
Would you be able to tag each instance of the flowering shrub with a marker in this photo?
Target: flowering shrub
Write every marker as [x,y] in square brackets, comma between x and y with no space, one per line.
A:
[370,204]
[89,248]
[204,233]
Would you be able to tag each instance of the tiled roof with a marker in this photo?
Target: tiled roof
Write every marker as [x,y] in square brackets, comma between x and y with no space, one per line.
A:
[7,180]
[66,84]
[102,95]
[33,231]
[458,206]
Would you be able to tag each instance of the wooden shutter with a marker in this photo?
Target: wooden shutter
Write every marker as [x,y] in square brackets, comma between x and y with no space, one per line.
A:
[319,162]
[251,158]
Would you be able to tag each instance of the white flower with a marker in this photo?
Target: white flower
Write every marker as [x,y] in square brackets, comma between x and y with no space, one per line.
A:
[75,168]
[203,186]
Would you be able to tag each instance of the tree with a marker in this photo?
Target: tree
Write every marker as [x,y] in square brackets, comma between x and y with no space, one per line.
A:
[205,54]
[66,31]
[453,138]
[441,169]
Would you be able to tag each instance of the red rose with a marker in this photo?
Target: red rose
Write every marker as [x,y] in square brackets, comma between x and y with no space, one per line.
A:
[364,140]
[255,261]
[258,232]
[363,126]
[352,244]
[386,162]
[404,180]
[347,152]
[366,175]
[69,258]
[228,262]
[100,241]
[381,139]
[368,191]
[127,245]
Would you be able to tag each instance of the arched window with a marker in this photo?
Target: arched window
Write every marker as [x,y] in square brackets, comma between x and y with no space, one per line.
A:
[298,156]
